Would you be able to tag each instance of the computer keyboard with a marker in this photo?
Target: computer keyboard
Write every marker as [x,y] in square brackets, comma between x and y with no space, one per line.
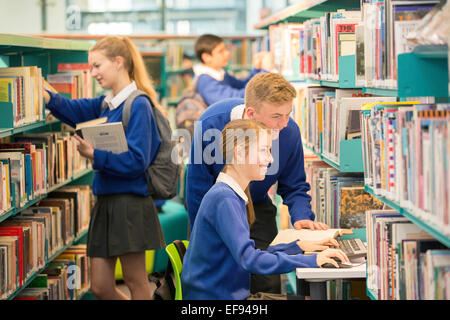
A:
[353,248]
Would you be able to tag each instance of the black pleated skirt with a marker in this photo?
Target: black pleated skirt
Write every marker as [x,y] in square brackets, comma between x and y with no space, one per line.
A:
[123,223]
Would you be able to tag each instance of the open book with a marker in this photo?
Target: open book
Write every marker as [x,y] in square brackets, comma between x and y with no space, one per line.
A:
[103,135]
[289,235]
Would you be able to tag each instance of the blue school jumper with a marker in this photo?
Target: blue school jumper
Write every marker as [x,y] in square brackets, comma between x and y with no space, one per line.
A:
[292,186]
[221,256]
[213,90]
[116,173]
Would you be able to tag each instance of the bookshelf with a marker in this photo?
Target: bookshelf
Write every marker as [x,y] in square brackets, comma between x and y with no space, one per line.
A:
[306,10]
[18,50]
[423,72]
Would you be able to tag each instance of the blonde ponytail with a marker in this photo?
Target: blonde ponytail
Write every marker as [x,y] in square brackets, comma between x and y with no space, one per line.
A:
[113,46]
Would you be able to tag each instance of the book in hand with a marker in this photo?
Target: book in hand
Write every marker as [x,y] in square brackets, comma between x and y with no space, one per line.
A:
[289,235]
[103,135]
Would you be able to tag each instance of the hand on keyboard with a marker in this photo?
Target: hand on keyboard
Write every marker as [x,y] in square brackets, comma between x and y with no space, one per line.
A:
[310,246]
[353,248]
[329,255]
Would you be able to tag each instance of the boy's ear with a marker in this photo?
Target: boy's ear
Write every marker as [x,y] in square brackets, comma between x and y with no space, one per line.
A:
[206,57]
[250,113]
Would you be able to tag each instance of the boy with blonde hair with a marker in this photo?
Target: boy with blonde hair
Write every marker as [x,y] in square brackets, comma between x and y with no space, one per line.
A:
[268,99]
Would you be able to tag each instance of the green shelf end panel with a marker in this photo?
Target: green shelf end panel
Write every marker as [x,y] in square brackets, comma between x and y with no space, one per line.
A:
[422,75]
[358,233]
[347,71]
[7,118]
[351,156]
[372,294]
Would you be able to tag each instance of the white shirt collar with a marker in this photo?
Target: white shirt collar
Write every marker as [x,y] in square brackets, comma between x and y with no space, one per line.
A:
[228,180]
[200,69]
[114,102]
[237,112]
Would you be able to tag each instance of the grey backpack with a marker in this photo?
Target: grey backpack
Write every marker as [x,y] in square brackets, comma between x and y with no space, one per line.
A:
[163,172]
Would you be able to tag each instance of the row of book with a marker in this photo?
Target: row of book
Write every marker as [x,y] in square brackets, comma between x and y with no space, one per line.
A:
[405,155]
[73,80]
[21,94]
[241,52]
[29,240]
[327,116]
[67,277]
[376,35]
[384,37]
[34,163]
[338,199]
[404,262]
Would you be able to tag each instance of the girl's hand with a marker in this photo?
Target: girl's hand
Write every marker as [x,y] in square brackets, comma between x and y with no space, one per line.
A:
[84,148]
[308,224]
[46,96]
[311,246]
[326,255]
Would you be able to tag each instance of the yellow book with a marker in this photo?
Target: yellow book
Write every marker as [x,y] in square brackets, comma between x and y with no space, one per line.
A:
[7,90]
[368,106]
[48,86]
[28,84]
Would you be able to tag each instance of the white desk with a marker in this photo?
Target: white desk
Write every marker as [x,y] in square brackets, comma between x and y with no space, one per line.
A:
[317,278]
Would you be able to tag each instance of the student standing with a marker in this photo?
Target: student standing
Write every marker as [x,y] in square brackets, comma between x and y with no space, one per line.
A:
[124,223]
[212,82]
[221,255]
[268,99]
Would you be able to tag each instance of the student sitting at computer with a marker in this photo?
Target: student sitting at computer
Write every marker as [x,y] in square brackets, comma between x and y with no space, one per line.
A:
[212,82]
[221,256]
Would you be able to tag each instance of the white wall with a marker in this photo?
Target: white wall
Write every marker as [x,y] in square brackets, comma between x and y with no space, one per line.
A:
[253,9]
[56,16]
[24,16]
[20,16]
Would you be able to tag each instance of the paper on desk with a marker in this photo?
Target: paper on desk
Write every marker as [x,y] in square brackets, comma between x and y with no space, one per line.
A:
[289,235]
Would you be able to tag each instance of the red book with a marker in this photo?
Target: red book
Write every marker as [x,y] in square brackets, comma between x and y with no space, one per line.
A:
[17,232]
[73,66]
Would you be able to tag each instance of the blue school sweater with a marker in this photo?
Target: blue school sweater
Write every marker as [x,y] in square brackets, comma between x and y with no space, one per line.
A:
[213,90]
[116,173]
[292,186]
[221,256]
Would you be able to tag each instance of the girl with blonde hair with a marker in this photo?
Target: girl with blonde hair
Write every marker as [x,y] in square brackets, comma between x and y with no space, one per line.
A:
[221,256]
[124,223]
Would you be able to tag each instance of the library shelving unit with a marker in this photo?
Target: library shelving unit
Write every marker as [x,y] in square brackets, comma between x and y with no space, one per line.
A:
[18,50]
[421,73]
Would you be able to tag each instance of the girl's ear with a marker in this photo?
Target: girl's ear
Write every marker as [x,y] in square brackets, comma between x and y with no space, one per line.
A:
[239,154]
[119,61]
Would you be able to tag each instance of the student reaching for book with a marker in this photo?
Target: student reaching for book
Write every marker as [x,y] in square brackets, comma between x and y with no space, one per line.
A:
[221,256]
[212,82]
[124,223]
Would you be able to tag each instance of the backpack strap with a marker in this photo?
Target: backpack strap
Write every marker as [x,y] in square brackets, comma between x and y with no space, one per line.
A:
[126,112]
